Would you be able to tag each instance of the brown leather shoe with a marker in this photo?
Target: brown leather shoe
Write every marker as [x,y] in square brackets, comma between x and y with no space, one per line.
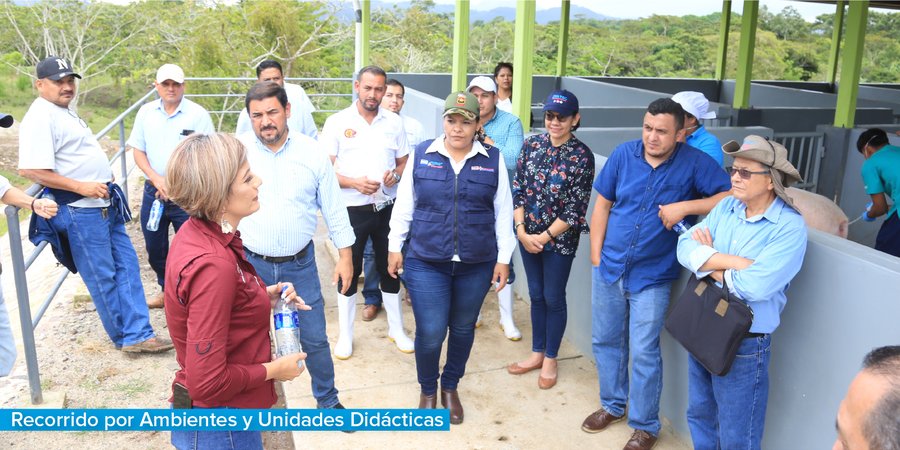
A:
[640,440]
[152,345]
[450,400]
[546,383]
[599,420]
[157,302]
[427,401]
[370,312]
[516,369]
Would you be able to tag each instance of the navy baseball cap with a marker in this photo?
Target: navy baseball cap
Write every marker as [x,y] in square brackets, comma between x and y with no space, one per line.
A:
[563,102]
[55,68]
[6,120]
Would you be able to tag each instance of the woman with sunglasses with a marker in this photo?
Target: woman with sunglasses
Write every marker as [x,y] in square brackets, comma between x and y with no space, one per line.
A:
[551,191]
[754,241]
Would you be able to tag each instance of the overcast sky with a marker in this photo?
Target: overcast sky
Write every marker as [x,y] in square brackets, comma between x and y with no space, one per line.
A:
[645,8]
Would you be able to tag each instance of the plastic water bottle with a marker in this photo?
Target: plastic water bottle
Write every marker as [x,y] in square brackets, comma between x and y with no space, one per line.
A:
[155,214]
[287,328]
[681,227]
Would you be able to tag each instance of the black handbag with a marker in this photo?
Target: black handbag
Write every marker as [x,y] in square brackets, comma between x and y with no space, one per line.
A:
[709,323]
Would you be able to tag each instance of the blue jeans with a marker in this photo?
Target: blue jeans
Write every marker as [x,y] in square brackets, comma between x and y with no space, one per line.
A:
[304,275]
[548,275]
[109,268]
[216,440]
[629,322]
[371,285]
[445,295]
[730,411]
[158,241]
[7,344]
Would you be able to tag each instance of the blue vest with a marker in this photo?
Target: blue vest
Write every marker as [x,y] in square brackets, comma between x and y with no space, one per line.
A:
[454,214]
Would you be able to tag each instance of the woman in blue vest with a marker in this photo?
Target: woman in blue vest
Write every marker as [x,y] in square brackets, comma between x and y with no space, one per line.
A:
[453,220]
[551,192]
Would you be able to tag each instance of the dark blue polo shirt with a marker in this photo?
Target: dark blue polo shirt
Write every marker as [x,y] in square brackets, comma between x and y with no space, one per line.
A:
[637,247]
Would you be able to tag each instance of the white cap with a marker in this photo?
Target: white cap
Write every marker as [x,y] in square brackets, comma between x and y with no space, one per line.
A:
[170,72]
[485,83]
[695,104]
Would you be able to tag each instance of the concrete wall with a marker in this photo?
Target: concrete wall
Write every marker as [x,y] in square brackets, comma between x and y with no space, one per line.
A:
[426,109]
[803,119]
[709,88]
[438,84]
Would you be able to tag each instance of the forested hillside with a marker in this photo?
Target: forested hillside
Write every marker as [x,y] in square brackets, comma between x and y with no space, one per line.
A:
[118,47]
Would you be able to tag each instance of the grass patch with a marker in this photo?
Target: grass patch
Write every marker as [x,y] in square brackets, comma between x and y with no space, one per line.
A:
[133,388]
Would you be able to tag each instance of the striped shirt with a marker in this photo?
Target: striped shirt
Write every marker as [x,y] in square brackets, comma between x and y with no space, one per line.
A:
[298,181]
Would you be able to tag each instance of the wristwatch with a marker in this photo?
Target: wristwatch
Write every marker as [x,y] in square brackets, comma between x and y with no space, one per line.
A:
[395,176]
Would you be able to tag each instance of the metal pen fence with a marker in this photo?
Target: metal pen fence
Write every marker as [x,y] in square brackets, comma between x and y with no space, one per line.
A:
[805,152]
[20,264]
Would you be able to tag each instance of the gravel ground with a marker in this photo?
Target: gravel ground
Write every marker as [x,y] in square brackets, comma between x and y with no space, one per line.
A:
[77,359]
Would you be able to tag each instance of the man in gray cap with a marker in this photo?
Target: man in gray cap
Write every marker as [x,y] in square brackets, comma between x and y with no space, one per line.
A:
[754,241]
[59,151]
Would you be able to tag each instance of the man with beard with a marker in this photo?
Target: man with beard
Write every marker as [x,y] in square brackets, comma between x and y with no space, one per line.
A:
[298,181]
[368,147]
[158,128]
[301,119]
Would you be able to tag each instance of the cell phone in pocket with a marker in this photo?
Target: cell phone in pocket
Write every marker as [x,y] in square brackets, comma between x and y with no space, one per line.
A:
[181,399]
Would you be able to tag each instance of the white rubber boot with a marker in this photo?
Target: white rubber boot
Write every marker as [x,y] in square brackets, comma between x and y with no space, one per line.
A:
[346,313]
[505,302]
[478,320]
[396,333]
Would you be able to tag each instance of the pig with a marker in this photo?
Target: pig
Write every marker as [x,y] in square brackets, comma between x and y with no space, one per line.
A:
[819,212]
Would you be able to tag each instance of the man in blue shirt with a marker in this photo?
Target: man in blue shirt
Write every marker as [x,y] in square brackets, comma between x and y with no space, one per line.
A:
[158,128]
[298,181]
[504,131]
[754,241]
[881,176]
[645,187]
[696,107]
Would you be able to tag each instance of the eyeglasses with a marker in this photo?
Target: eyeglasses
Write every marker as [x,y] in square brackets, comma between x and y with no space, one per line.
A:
[746,174]
[80,120]
[550,117]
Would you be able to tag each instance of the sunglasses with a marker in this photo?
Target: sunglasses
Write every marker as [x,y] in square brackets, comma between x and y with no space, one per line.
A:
[550,117]
[746,174]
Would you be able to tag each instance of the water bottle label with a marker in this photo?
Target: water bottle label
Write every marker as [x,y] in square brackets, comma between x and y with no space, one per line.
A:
[285,320]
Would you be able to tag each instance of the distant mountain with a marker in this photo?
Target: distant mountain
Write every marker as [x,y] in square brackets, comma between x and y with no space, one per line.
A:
[542,17]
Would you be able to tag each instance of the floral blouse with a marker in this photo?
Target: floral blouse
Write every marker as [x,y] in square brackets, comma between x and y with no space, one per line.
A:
[554,182]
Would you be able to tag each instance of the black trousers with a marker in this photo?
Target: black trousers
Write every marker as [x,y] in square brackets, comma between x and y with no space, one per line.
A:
[368,223]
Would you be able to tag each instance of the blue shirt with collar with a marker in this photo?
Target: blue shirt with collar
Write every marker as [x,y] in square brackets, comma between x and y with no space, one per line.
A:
[298,181]
[506,131]
[157,133]
[707,143]
[776,242]
[637,247]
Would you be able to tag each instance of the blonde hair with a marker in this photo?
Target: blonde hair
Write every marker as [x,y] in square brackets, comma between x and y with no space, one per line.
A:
[200,173]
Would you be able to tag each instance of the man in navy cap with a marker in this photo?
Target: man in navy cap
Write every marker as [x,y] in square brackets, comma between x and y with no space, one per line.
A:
[59,151]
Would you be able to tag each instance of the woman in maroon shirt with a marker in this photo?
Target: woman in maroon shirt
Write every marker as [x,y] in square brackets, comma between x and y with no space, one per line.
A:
[217,310]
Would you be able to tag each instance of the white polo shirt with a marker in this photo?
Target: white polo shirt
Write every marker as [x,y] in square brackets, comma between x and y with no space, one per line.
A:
[363,149]
[415,133]
[54,138]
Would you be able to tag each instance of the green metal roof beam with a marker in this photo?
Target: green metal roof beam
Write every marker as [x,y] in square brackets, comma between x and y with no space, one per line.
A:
[851,64]
[831,76]
[563,47]
[460,45]
[523,57]
[722,52]
[745,55]
[366,33]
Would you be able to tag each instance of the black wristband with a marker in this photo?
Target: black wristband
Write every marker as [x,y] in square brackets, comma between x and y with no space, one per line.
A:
[549,234]
[32,204]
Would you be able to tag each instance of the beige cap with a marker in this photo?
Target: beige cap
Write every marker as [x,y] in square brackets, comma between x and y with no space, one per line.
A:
[170,72]
[770,154]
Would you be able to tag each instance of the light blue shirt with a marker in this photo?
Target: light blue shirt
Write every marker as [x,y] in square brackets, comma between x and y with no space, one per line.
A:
[298,181]
[506,131]
[776,242]
[707,143]
[156,133]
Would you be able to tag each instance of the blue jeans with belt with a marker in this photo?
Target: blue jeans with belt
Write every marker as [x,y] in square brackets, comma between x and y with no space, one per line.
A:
[446,295]
[729,411]
[158,241]
[304,275]
[108,265]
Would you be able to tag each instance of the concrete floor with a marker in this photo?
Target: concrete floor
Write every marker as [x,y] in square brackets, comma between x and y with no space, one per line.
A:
[501,410]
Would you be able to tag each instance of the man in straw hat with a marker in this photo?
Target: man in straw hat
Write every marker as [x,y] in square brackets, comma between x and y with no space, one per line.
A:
[755,241]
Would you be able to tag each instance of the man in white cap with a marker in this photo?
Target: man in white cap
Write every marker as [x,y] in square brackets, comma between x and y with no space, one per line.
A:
[59,151]
[158,128]
[504,131]
[696,107]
